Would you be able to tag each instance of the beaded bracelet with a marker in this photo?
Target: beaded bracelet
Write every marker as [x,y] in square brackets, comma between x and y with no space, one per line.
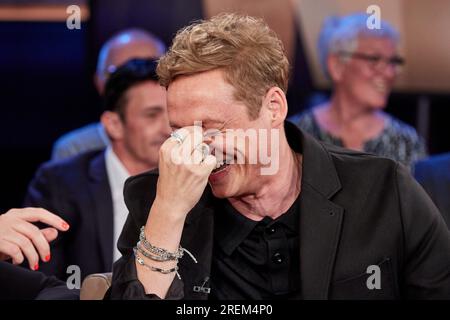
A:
[163,253]
[149,255]
[158,254]
[155,269]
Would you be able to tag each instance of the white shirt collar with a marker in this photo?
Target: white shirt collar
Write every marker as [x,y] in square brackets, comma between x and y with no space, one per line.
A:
[117,174]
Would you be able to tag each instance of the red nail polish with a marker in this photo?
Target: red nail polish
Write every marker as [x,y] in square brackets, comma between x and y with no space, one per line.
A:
[65,226]
[36,267]
[47,258]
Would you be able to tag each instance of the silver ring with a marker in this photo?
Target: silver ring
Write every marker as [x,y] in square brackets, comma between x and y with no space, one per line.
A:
[205,151]
[175,135]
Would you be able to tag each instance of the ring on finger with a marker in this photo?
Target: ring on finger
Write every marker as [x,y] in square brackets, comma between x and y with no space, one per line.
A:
[177,137]
[205,151]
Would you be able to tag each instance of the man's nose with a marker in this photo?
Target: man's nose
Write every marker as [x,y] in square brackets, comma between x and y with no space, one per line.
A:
[165,126]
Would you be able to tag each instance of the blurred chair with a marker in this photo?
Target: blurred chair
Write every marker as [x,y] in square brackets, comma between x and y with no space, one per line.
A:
[95,286]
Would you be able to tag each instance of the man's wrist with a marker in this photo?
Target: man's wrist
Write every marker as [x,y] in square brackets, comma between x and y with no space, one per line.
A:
[164,225]
[172,213]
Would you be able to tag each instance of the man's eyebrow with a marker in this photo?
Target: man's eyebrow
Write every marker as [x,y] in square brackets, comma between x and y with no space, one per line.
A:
[153,107]
[206,121]
[212,121]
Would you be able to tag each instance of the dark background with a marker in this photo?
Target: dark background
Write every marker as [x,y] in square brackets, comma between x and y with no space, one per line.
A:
[47,88]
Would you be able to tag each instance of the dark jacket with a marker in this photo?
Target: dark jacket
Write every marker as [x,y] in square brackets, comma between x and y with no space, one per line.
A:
[434,176]
[77,189]
[18,283]
[356,210]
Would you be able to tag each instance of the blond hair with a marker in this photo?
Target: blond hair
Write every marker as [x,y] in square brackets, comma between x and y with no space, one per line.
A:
[249,52]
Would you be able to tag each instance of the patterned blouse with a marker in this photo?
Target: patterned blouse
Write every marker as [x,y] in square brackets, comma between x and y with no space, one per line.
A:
[397,141]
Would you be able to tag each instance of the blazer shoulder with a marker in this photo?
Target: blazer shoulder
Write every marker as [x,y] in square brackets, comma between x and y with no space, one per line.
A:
[363,167]
[435,163]
[71,170]
[88,138]
[353,157]
[434,172]
[80,160]
[141,182]
[139,193]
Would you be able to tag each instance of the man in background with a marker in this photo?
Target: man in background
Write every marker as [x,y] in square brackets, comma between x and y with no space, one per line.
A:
[125,45]
[87,190]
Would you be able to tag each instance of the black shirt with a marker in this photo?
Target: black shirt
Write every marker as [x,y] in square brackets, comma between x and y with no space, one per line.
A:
[255,260]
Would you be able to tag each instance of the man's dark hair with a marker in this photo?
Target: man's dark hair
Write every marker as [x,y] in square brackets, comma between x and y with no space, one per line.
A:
[133,72]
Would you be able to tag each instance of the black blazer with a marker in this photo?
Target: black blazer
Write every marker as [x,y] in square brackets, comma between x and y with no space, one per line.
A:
[77,189]
[434,176]
[356,210]
[18,283]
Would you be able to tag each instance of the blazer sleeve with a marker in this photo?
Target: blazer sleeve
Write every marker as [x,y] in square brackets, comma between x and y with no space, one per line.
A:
[44,191]
[426,241]
[125,283]
[18,283]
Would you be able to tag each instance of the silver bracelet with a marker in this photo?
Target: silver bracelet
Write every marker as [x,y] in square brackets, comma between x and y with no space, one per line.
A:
[163,253]
[160,254]
[151,256]
[155,269]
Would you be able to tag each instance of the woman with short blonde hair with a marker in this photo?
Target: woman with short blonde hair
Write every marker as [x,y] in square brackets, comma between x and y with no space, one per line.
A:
[362,65]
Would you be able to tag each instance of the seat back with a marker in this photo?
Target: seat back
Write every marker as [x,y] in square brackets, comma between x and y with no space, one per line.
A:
[95,286]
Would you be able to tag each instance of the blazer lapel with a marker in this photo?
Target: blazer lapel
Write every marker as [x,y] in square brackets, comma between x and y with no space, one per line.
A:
[102,208]
[320,218]
[320,227]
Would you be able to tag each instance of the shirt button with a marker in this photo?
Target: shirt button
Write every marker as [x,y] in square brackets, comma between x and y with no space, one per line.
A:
[271,230]
[277,258]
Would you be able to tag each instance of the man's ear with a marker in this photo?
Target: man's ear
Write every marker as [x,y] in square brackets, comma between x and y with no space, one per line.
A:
[113,125]
[99,84]
[335,67]
[276,104]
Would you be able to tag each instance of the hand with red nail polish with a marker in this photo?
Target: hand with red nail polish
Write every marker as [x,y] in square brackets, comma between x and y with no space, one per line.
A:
[20,238]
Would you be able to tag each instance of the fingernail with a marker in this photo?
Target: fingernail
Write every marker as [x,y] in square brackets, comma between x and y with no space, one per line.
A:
[36,267]
[47,258]
[65,226]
